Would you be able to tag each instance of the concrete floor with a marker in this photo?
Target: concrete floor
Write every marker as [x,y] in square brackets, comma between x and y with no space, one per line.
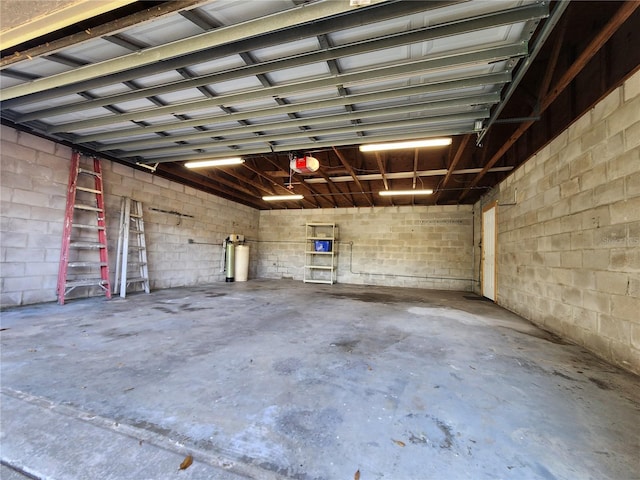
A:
[278,379]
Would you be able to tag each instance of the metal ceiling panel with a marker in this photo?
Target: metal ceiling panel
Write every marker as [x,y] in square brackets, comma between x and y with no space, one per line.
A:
[262,78]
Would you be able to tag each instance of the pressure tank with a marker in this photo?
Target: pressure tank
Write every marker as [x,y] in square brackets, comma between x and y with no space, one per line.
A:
[242,263]
[229,261]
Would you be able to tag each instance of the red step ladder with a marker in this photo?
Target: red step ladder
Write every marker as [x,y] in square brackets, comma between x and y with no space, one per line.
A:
[84,217]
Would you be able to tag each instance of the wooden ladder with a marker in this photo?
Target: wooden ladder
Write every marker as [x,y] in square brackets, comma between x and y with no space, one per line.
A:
[131,243]
[84,217]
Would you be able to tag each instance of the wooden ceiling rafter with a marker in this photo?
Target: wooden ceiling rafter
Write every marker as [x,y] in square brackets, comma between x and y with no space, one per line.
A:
[601,38]
[452,166]
[353,174]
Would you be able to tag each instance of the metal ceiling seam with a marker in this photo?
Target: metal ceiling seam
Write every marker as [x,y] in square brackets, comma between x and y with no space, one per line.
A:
[484,99]
[520,14]
[384,11]
[426,121]
[295,16]
[437,86]
[307,147]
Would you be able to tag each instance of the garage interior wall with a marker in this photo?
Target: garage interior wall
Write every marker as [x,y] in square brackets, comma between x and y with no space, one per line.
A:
[408,246]
[33,182]
[568,224]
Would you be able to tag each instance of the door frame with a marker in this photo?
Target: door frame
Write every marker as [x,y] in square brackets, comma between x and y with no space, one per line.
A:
[492,205]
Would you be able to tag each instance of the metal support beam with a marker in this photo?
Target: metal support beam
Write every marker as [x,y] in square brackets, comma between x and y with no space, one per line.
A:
[587,54]
[426,108]
[437,86]
[252,28]
[441,120]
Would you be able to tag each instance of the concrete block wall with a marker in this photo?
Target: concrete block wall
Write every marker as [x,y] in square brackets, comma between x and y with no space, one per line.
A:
[569,250]
[426,247]
[34,174]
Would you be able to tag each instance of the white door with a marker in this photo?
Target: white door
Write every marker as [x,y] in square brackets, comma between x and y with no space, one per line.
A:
[489,252]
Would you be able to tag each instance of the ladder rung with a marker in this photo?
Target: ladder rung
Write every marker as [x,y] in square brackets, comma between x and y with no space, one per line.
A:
[137,279]
[87,264]
[92,227]
[135,215]
[85,282]
[137,232]
[87,245]
[80,206]
[88,172]
[90,190]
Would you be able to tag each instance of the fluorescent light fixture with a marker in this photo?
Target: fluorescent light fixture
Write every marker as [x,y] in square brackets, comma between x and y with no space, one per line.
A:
[277,198]
[220,162]
[388,193]
[432,142]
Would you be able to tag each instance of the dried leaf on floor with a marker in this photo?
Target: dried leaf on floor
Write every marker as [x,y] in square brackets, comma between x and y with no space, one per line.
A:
[399,443]
[356,476]
[186,463]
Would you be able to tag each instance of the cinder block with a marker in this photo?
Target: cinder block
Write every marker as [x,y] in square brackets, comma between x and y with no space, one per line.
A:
[631,88]
[635,336]
[625,307]
[632,136]
[571,296]
[571,259]
[37,143]
[597,259]
[585,319]
[593,178]
[612,282]
[611,148]
[122,170]
[24,155]
[597,301]
[613,236]
[10,299]
[625,164]
[627,211]
[614,328]
[12,269]
[580,126]
[582,201]
[624,116]
[584,279]
[606,106]
[593,137]
[632,186]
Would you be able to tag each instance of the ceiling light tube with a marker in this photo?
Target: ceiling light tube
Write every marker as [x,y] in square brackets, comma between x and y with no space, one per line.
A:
[276,198]
[388,193]
[220,162]
[432,142]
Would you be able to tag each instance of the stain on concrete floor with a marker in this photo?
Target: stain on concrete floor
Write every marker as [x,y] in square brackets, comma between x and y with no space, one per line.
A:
[281,380]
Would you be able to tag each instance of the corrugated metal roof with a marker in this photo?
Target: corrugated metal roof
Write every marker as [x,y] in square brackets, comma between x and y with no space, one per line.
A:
[256,78]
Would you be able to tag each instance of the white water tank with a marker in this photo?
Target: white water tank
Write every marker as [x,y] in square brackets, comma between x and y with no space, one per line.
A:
[242,263]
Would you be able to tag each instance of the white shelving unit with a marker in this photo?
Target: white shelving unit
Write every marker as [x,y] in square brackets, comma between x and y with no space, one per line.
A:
[320,253]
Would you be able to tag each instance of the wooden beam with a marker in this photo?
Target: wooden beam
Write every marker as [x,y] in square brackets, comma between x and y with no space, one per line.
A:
[349,168]
[623,13]
[452,166]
